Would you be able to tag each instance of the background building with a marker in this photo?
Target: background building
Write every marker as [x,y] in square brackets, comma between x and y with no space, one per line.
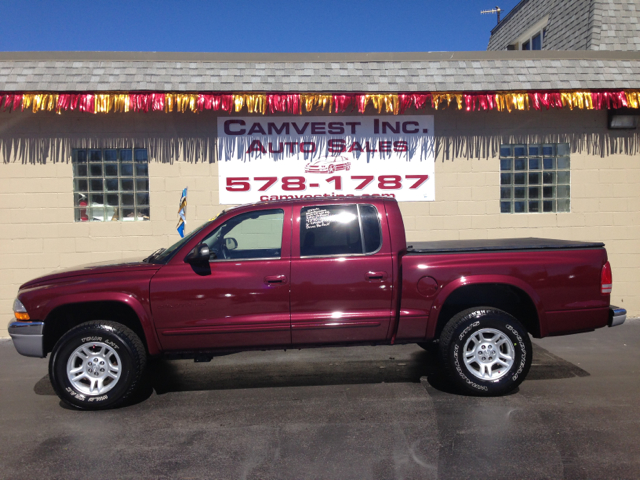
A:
[569,25]
[96,148]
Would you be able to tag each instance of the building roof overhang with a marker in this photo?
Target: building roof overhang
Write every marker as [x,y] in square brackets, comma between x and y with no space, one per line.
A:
[392,72]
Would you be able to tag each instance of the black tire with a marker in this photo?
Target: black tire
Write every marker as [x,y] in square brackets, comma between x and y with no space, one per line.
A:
[481,323]
[118,345]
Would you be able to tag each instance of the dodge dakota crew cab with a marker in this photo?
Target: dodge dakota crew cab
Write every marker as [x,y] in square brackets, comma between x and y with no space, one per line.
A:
[312,272]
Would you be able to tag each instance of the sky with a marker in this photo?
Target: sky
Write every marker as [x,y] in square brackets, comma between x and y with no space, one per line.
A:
[248,25]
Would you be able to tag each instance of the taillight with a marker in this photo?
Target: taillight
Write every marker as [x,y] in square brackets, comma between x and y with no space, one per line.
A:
[606,279]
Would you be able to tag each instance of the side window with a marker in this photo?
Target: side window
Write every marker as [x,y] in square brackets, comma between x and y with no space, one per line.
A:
[337,230]
[248,235]
[111,184]
[370,228]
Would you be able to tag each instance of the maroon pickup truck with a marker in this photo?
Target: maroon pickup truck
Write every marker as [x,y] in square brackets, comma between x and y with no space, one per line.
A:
[300,273]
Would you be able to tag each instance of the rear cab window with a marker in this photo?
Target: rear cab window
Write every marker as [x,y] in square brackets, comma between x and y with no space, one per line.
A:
[327,230]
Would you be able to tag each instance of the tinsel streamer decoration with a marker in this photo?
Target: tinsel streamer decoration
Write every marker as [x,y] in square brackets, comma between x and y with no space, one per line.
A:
[140,102]
[319,101]
[438,99]
[361,102]
[121,103]
[581,100]
[238,102]
[512,101]
[27,99]
[86,103]
[37,102]
[287,103]
[294,103]
[169,102]
[421,100]
[11,101]
[342,102]
[256,103]
[405,102]
[157,102]
[226,102]
[103,103]
[633,99]
[470,102]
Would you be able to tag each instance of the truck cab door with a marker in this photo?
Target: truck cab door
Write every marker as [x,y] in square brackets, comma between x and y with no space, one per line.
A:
[240,298]
[341,274]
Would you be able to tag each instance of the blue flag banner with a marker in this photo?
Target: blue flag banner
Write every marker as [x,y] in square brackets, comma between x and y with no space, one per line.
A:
[182,213]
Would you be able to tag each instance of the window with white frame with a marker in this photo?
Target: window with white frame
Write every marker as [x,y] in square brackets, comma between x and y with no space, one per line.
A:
[534,42]
[535,178]
[111,184]
[533,37]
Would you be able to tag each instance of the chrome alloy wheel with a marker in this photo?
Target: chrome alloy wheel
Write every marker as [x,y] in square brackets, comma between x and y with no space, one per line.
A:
[94,368]
[489,354]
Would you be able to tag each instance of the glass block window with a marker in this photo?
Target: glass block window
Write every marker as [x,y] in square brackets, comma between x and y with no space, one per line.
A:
[535,178]
[111,184]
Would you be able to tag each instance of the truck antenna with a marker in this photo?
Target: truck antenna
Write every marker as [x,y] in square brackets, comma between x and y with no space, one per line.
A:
[493,10]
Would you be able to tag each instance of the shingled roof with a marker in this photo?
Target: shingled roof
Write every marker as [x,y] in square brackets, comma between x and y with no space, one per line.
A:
[319,72]
[574,24]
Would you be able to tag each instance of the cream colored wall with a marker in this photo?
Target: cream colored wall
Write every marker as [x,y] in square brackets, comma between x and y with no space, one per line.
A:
[39,234]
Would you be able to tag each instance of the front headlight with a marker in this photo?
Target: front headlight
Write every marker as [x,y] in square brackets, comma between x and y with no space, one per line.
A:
[19,311]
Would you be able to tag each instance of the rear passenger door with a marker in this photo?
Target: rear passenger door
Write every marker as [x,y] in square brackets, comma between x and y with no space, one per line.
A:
[341,275]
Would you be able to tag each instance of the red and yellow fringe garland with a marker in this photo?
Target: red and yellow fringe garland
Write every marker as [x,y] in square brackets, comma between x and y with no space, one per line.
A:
[297,103]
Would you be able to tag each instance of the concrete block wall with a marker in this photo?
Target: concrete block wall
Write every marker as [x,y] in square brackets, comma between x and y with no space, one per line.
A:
[39,234]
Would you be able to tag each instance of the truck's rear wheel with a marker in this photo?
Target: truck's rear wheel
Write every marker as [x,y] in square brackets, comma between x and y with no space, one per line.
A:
[97,365]
[485,351]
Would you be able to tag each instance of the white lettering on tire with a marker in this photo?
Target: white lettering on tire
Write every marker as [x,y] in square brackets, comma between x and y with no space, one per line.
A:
[73,393]
[91,339]
[523,355]
[98,399]
[456,350]
[466,330]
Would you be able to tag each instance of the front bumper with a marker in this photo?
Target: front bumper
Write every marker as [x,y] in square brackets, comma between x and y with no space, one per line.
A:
[617,316]
[27,337]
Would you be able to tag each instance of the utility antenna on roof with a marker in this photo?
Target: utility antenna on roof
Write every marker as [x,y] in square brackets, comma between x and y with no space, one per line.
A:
[493,10]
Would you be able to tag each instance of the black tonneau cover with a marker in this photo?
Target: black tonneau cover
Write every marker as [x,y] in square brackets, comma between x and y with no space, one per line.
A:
[499,244]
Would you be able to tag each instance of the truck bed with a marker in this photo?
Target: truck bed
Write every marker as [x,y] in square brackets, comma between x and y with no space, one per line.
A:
[496,245]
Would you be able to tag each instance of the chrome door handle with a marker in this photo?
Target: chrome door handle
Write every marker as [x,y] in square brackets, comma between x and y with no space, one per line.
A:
[275,279]
[376,276]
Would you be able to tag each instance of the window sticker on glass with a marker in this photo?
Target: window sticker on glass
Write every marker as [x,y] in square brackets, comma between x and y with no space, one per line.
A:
[318,217]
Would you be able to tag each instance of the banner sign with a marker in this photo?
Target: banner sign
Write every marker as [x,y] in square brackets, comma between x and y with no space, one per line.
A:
[278,157]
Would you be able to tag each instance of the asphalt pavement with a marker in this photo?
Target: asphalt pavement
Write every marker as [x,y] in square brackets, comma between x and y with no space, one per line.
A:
[337,413]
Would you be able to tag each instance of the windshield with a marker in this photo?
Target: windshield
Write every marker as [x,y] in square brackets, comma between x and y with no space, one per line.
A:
[167,254]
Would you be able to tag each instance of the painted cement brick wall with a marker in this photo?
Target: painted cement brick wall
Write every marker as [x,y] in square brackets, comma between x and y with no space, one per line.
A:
[39,235]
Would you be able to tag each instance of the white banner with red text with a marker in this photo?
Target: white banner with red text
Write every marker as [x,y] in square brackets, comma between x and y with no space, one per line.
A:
[278,158]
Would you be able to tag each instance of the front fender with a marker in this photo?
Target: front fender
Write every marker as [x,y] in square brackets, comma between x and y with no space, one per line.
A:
[452,286]
[121,297]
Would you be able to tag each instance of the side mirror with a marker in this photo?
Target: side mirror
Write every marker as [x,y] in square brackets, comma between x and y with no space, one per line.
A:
[231,243]
[199,254]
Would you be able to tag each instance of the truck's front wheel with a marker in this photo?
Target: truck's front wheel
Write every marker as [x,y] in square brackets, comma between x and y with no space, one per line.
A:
[485,351]
[97,365]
